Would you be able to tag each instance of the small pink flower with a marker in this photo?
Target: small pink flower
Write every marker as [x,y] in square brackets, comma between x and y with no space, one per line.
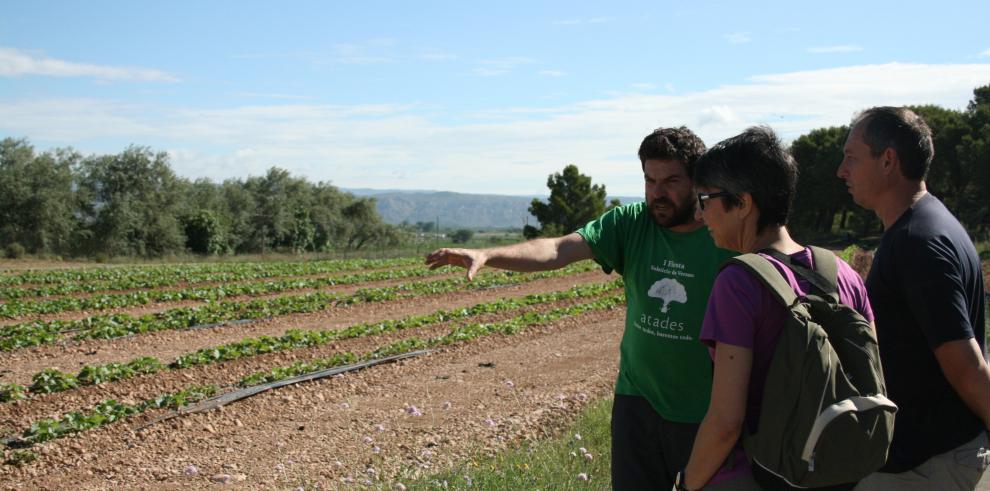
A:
[490,422]
[577,436]
[280,467]
[380,427]
[399,487]
[371,471]
[446,405]
[426,454]
[191,470]
[588,456]
[581,397]
[367,440]
[510,383]
[345,405]
[376,449]
[582,477]
[413,411]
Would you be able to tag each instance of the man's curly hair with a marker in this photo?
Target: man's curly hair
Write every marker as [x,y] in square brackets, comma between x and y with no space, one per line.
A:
[672,144]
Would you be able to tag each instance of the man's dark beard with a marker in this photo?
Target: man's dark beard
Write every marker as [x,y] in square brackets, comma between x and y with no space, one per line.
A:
[680,215]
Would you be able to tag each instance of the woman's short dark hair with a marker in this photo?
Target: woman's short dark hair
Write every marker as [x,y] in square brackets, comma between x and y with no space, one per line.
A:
[679,144]
[753,162]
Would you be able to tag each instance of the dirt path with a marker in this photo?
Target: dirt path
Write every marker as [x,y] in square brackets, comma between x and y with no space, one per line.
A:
[316,434]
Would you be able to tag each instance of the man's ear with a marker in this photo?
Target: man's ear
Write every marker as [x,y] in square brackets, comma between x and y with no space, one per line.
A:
[889,161]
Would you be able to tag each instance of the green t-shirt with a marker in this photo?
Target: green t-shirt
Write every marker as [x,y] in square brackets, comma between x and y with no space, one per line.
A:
[668,277]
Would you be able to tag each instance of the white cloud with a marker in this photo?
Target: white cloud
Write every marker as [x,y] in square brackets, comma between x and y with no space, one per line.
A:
[354,54]
[552,73]
[509,151]
[15,63]
[738,38]
[842,48]
[986,52]
[643,86]
[721,115]
[271,95]
[500,66]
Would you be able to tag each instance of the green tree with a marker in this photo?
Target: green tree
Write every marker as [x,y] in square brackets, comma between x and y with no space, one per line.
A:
[132,204]
[821,196]
[238,212]
[974,152]
[205,233]
[364,226]
[326,213]
[37,201]
[573,202]
[277,197]
[461,236]
[948,176]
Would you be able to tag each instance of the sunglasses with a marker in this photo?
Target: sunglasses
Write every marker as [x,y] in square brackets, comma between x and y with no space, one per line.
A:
[702,197]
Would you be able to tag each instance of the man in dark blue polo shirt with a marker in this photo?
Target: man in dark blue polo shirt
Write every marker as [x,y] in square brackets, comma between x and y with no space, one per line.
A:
[927,293]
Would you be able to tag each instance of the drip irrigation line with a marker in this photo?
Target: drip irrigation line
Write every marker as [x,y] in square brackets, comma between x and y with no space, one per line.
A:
[230,397]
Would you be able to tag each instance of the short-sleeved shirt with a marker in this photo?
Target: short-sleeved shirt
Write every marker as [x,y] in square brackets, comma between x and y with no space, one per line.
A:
[668,277]
[743,312]
[927,289]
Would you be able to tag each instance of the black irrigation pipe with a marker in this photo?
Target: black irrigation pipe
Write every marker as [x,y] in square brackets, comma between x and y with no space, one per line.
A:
[234,396]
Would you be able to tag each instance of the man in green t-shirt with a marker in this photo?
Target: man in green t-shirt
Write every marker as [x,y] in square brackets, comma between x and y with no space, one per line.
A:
[668,262]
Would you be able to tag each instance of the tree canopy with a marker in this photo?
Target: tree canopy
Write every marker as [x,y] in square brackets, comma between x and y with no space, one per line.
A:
[573,202]
[133,204]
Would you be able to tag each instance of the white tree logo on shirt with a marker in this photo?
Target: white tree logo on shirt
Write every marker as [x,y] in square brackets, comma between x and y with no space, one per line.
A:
[668,290]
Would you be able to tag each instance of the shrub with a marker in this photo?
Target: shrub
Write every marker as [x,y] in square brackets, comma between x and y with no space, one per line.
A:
[14,251]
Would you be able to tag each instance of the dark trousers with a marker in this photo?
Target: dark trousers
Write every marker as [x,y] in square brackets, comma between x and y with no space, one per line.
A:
[647,450]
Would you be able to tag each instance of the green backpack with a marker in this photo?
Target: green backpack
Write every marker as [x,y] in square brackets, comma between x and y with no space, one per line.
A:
[825,419]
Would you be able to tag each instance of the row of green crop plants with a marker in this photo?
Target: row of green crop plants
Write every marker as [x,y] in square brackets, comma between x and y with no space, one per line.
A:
[130,277]
[109,411]
[160,278]
[53,380]
[19,308]
[37,333]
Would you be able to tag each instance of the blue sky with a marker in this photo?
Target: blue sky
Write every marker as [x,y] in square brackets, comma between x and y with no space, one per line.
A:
[459,97]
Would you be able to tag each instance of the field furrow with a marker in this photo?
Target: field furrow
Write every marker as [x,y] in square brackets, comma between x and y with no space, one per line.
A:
[462,393]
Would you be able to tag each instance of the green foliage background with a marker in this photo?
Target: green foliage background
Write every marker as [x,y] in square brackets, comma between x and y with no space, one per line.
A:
[132,204]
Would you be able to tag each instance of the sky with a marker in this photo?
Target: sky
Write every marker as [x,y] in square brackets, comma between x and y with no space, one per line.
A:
[462,96]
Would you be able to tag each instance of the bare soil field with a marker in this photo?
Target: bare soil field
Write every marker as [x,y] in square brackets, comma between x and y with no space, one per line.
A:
[368,427]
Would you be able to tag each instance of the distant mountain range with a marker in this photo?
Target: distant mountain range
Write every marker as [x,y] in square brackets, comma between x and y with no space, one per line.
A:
[456,210]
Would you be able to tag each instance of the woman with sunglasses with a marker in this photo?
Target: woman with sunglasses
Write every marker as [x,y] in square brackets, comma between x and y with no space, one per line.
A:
[746,187]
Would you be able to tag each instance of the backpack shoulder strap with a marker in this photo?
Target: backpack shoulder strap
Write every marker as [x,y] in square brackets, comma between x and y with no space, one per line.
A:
[824,276]
[768,275]
[826,264]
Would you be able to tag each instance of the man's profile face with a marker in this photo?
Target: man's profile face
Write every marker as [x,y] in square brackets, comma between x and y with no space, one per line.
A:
[669,192]
[860,169]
